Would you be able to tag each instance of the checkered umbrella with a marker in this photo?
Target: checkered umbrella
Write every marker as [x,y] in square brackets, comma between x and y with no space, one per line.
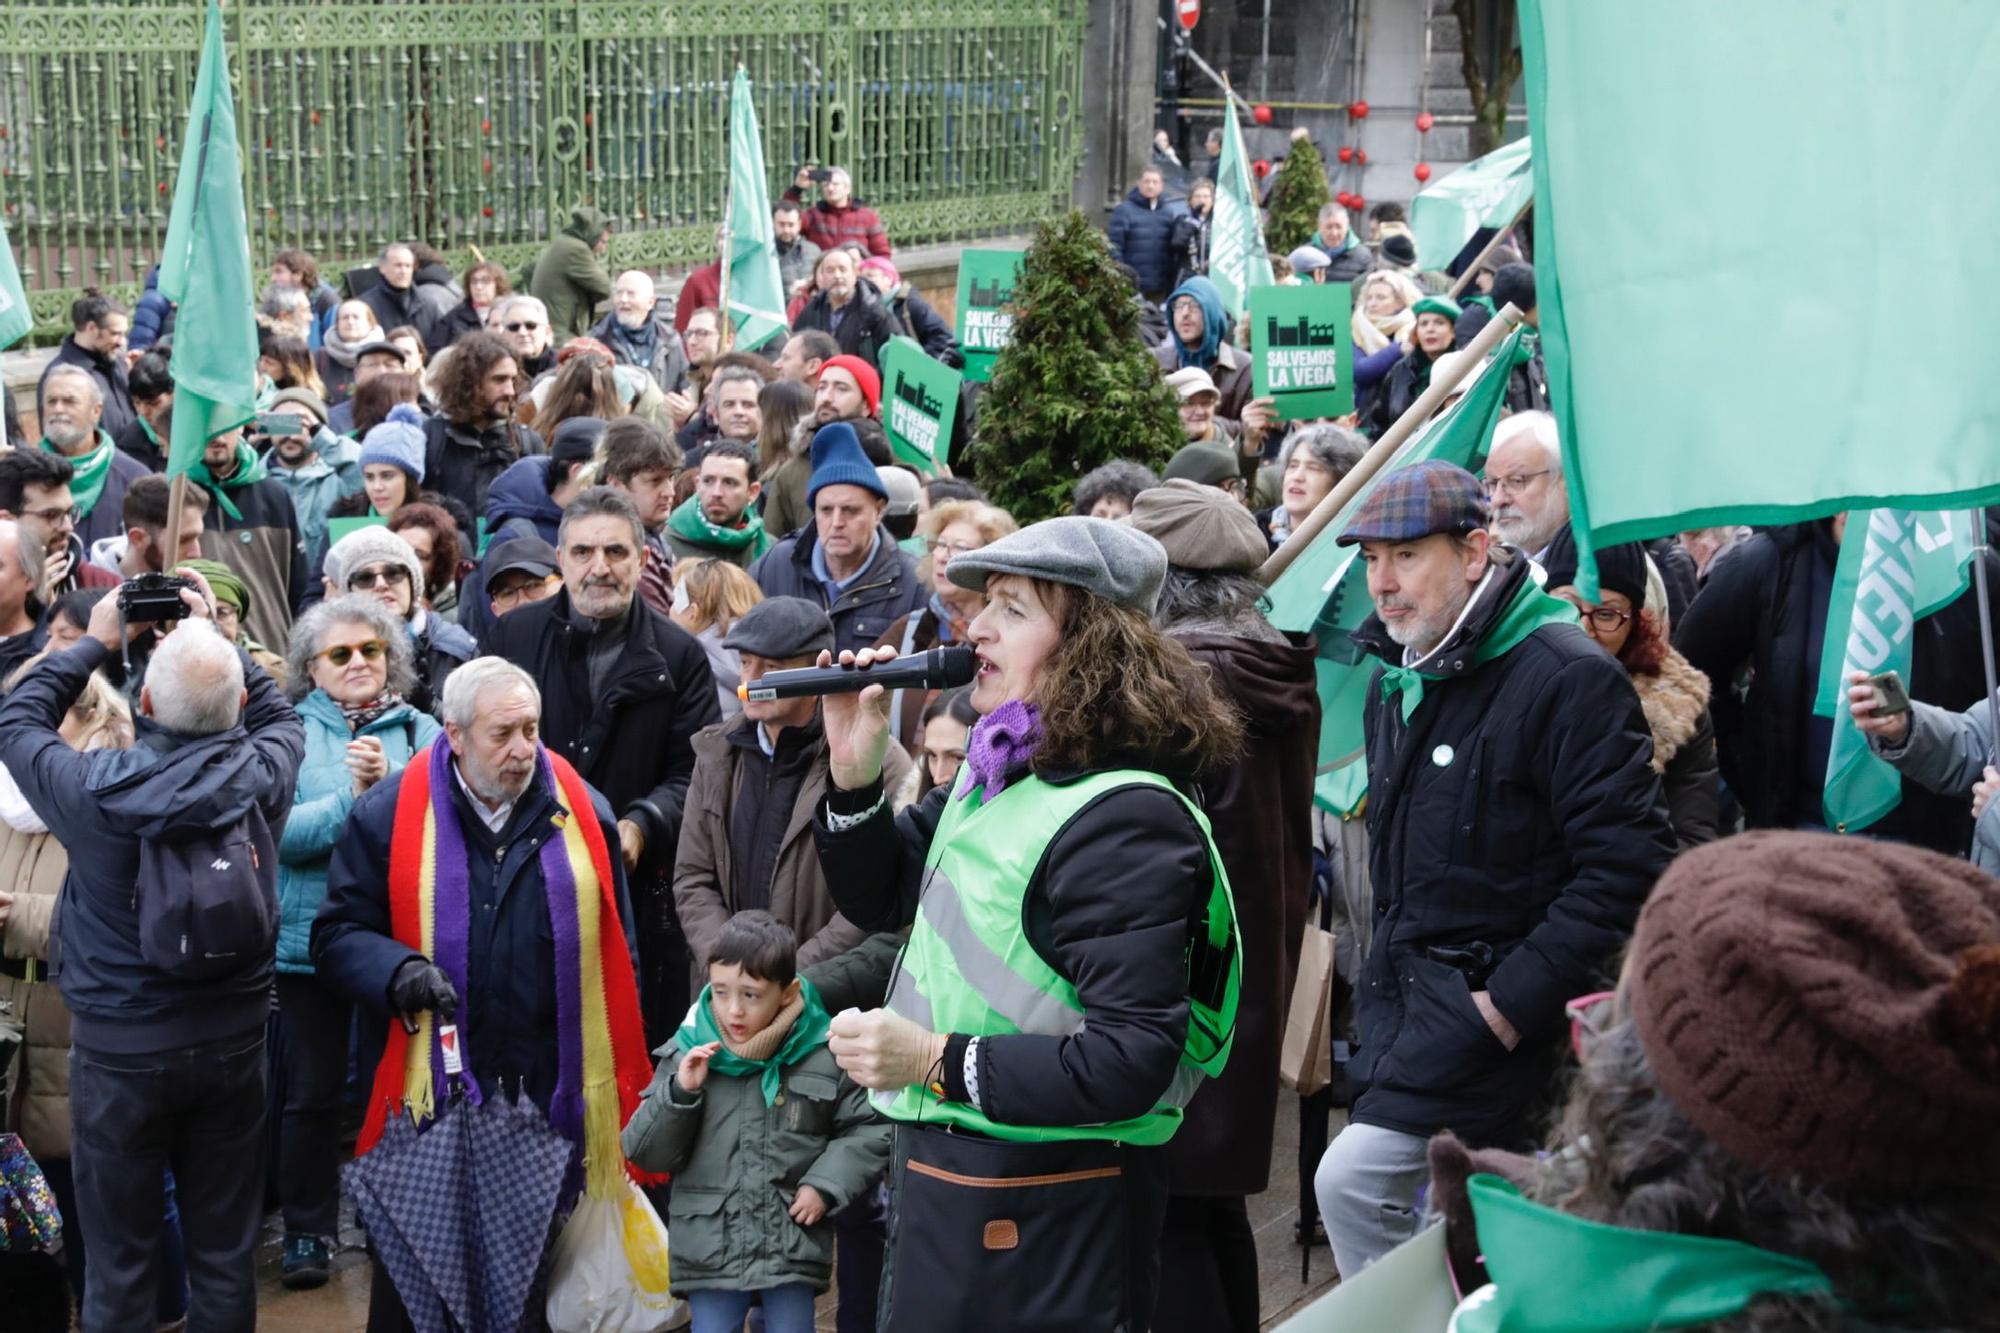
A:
[460,1212]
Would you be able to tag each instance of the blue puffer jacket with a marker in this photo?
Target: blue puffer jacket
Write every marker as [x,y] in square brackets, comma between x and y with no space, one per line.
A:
[1142,234]
[319,810]
[518,503]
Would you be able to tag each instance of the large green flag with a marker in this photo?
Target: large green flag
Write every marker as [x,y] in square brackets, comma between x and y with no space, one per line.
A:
[1237,257]
[756,292]
[1325,591]
[1896,567]
[1487,193]
[15,317]
[205,269]
[1752,364]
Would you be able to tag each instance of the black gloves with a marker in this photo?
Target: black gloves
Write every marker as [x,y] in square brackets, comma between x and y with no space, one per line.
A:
[420,984]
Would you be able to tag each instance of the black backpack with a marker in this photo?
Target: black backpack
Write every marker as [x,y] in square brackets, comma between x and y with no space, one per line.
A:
[208,903]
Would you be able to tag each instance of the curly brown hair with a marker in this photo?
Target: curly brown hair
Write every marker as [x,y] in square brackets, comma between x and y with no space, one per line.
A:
[1646,647]
[441,570]
[1116,690]
[459,378]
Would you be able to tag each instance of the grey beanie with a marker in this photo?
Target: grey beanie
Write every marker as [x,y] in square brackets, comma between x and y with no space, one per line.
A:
[780,628]
[370,546]
[1094,554]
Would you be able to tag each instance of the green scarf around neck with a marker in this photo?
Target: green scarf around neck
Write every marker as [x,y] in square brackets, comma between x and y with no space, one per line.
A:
[1553,1273]
[249,470]
[1527,611]
[92,470]
[690,524]
[808,1034]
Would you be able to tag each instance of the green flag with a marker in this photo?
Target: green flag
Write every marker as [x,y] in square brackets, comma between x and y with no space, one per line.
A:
[1237,259]
[756,292]
[1738,370]
[205,269]
[1488,193]
[15,317]
[1896,567]
[1325,591]
[919,404]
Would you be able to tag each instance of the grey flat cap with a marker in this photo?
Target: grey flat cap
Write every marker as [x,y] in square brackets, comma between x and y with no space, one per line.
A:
[780,628]
[1094,554]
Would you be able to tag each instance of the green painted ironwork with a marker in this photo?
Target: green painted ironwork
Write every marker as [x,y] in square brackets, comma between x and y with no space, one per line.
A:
[473,124]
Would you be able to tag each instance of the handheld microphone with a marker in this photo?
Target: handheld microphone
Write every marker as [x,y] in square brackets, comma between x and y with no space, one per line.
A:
[938,669]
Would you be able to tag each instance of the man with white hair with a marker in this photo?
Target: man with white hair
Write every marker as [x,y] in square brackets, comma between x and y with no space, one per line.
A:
[167,1008]
[1336,237]
[1524,482]
[73,428]
[21,559]
[523,324]
[500,836]
[638,335]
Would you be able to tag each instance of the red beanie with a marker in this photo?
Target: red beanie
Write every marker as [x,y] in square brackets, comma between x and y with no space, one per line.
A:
[864,374]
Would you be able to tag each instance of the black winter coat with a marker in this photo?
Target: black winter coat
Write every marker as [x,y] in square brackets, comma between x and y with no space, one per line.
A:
[462,463]
[880,595]
[864,329]
[1189,242]
[1110,908]
[1753,618]
[1516,826]
[1395,393]
[1142,234]
[635,741]
[508,1022]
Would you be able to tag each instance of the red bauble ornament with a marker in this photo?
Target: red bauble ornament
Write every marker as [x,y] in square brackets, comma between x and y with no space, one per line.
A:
[1342,198]
[1424,122]
[486,127]
[1261,168]
[1261,114]
[1346,155]
[1358,110]
[488,210]
[1422,171]
[1361,156]
[1356,203]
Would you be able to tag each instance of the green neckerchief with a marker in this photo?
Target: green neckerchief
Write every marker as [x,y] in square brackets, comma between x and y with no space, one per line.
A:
[249,469]
[690,524]
[1553,1273]
[807,1034]
[91,470]
[1530,609]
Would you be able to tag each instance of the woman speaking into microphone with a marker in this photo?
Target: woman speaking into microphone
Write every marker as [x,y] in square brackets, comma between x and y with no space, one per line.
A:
[1072,966]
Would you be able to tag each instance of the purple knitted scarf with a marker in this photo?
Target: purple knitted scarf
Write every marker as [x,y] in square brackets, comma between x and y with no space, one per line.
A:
[1001,742]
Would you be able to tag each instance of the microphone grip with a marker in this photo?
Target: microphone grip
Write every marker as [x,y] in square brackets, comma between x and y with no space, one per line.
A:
[939,668]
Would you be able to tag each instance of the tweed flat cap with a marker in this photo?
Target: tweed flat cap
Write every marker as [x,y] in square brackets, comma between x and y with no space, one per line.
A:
[1200,527]
[1419,501]
[780,628]
[1094,554]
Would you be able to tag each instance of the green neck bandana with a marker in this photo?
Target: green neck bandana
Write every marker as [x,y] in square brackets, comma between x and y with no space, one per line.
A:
[690,524]
[1558,1274]
[808,1033]
[249,469]
[87,486]
[1529,610]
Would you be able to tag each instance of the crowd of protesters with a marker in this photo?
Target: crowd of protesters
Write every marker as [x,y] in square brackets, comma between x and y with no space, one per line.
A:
[499,547]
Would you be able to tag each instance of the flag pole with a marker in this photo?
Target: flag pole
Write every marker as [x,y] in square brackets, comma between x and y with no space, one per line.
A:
[1464,279]
[1979,584]
[726,330]
[176,500]
[1392,439]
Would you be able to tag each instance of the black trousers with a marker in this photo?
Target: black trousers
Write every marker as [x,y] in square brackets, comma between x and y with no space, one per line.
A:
[198,1110]
[1208,1267]
[316,1024]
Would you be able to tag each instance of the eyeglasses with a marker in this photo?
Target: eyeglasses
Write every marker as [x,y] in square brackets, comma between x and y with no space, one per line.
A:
[1588,1016]
[1606,618]
[55,518]
[365,579]
[226,611]
[530,590]
[341,654]
[699,333]
[1514,483]
[525,326]
[949,548]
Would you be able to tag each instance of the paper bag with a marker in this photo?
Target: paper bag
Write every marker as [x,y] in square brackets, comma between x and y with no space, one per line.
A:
[1305,1062]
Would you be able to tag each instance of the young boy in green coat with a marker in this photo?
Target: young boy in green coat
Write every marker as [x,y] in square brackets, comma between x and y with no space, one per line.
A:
[762,1132]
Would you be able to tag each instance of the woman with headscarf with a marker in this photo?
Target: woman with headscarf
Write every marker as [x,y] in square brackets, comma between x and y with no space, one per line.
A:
[1430,338]
[1073,970]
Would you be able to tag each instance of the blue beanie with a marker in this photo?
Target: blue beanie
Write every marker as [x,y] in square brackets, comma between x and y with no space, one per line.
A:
[399,441]
[837,460]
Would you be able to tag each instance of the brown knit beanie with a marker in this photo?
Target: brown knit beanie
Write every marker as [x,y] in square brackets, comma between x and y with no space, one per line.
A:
[1828,1007]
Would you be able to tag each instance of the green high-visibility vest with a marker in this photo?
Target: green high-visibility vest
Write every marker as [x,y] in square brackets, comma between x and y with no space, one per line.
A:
[968,966]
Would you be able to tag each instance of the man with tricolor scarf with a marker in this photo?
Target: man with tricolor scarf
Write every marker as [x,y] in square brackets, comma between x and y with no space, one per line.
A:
[482,884]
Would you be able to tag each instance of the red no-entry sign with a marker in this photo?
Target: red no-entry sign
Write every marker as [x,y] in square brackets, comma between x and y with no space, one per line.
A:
[1190,13]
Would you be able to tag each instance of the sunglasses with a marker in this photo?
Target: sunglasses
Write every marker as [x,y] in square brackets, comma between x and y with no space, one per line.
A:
[528,327]
[366,579]
[341,654]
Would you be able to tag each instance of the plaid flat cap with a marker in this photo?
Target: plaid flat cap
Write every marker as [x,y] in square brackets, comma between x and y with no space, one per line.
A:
[1419,501]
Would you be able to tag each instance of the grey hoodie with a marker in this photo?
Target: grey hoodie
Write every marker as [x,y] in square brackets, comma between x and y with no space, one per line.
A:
[102,805]
[1948,752]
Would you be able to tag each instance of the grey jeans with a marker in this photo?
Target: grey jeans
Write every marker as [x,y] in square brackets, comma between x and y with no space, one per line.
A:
[1367,1186]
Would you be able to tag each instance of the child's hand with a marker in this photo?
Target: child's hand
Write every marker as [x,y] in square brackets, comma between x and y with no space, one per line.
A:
[807,1206]
[694,1066]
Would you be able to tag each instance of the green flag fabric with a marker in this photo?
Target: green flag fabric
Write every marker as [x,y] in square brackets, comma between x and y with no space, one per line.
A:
[1487,193]
[1896,567]
[919,404]
[1237,258]
[1325,591]
[205,269]
[756,292]
[1707,370]
[15,316]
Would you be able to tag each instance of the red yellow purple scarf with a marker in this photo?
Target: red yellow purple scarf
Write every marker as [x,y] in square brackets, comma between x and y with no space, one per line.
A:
[601,1049]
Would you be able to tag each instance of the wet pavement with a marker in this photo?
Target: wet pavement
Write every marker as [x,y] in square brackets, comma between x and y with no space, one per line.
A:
[342,1305]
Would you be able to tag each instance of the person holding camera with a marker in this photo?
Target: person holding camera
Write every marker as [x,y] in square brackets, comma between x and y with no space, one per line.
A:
[1948,753]
[837,220]
[166,938]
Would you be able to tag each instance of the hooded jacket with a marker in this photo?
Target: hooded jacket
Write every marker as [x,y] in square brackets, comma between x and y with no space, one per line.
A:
[334,470]
[518,503]
[666,361]
[1142,235]
[865,326]
[882,593]
[102,805]
[1515,826]
[569,278]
